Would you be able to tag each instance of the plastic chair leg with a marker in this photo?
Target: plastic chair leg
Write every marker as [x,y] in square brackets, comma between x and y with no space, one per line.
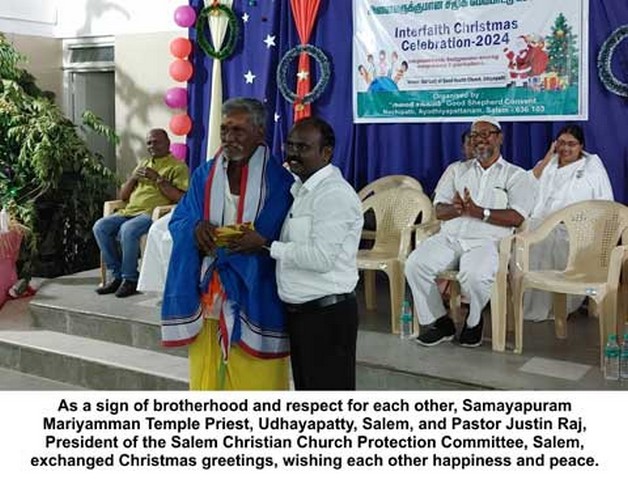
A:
[560,315]
[369,289]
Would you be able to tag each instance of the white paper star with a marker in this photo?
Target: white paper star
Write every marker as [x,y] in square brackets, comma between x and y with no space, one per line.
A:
[249,77]
[302,75]
[270,41]
[245,17]
[276,117]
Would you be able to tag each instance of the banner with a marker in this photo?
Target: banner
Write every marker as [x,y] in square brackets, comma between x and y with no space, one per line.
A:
[454,60]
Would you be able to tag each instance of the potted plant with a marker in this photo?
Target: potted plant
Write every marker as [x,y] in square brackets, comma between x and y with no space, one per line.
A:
[49,179]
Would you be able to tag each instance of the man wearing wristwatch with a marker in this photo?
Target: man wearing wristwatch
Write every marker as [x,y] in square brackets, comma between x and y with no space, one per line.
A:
[480,202]
[158,180]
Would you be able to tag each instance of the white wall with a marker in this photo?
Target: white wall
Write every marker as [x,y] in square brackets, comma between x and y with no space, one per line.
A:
[85,18]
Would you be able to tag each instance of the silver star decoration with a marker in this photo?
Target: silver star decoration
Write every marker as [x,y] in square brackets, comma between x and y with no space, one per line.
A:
[276,117]
[302,75]
[270,41]
[249,77]
[245,17]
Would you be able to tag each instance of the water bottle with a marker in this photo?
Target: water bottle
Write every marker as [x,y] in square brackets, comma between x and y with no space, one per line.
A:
[623,359]
[405,322]
[611,358]
[4,220]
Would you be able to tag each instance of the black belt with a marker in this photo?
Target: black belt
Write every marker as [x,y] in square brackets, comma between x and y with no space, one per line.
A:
[318,303]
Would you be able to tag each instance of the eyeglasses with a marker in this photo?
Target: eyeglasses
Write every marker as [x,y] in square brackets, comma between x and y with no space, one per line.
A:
[297,147]
[570,143]
[483,134]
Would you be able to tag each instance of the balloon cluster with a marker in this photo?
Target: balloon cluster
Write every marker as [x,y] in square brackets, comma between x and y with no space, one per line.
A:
[181,70]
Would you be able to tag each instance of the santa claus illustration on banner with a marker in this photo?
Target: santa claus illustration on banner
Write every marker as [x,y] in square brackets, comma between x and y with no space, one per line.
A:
[527,60]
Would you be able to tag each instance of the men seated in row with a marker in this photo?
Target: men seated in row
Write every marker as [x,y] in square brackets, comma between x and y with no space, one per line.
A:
[479,202]
[158,180]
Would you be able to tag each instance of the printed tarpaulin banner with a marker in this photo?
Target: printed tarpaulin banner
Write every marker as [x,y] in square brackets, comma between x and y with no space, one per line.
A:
[453,60]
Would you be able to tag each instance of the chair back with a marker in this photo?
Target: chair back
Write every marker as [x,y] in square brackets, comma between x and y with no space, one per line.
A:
[394,209]
[595,227]
[389,181]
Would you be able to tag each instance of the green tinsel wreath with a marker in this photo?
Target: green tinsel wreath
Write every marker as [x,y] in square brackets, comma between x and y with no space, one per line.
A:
[282,73]
[604,59]
[232,31]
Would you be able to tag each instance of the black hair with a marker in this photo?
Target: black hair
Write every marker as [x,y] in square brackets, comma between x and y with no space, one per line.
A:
[573,130]
[328,138]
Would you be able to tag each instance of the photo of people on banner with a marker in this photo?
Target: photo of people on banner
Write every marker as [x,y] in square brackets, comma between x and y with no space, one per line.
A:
[385,76]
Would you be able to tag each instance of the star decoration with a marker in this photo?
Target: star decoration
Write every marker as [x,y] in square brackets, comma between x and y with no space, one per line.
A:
[270,41]
[276,117]
[249,77]
[245,17]
[303,75]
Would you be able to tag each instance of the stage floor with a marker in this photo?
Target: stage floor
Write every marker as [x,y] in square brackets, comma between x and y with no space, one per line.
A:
[385,362]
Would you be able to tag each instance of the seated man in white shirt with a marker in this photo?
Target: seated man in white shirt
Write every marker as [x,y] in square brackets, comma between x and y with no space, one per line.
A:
[479,203]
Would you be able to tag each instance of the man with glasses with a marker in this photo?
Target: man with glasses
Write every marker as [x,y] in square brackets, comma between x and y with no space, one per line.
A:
[221,294]
[479,203]
[316,262]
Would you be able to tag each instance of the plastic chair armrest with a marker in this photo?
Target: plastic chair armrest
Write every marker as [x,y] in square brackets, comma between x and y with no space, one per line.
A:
[112,206]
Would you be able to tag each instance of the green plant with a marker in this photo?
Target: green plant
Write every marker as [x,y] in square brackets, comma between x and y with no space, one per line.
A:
[46,166]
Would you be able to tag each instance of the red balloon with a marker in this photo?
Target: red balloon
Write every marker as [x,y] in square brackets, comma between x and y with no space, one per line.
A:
[180,47]
[181,70]
[180,124]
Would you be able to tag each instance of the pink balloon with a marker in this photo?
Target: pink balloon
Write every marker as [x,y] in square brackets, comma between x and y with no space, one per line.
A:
[185,16]
[179,150]
[176,97]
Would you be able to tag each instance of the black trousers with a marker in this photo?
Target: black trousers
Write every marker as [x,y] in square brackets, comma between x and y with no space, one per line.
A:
[322,346]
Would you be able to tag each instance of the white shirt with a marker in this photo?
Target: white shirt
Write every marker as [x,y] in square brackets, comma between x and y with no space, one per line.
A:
[501,186]
[584,179]
[317,250]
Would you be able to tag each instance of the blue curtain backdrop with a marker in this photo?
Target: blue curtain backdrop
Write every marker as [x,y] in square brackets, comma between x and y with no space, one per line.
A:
[366,152]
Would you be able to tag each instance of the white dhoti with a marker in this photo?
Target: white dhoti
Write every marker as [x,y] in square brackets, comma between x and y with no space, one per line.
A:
[476,262]
[156,257]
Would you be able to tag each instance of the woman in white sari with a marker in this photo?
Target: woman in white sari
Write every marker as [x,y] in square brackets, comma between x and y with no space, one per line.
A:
[566,175]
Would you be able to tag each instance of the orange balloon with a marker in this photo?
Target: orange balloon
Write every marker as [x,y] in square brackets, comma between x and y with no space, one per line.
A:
[181,70]
[180,47]
[180,124]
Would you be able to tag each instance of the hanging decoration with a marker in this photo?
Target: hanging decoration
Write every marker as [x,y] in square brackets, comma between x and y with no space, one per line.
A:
[184,16]
[304,13]
[605,59]
[180,47]
[176,97]
[217,9]
[222,22]
[180,124]
[282,76]
[181,70]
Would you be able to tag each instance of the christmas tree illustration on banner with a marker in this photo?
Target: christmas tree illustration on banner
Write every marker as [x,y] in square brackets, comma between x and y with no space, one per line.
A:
[563,64]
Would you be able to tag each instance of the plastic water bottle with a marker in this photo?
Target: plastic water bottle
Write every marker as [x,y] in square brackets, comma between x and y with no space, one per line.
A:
[611,358]
[4,220]
[623,359]
[405,322]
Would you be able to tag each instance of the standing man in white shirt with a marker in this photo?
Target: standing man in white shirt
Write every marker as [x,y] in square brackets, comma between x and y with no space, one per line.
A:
[479,203]
[316,262]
